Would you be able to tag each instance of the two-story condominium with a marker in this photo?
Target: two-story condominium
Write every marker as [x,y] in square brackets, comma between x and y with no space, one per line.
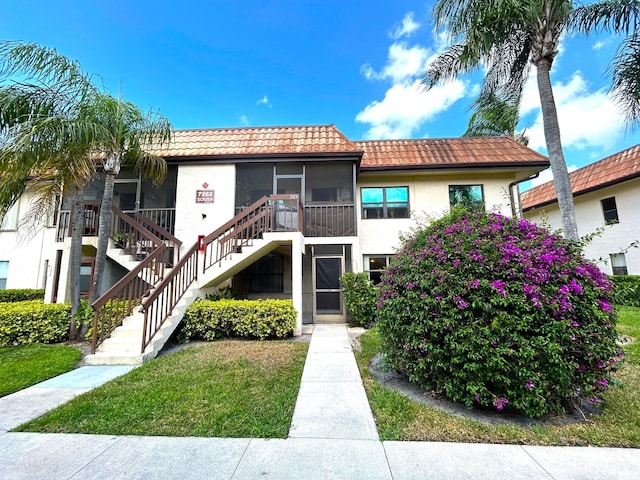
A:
[276,212]
[606,195]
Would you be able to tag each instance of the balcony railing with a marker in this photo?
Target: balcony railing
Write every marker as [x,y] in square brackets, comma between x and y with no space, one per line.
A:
[329,220]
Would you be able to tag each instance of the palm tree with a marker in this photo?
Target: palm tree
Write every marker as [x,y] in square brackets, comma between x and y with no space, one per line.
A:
[495,116]
[125,140]
[506,37]
[57,131]
[44,146]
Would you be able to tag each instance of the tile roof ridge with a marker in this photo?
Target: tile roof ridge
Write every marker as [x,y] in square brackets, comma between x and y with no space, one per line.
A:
[590,166]
[256,127]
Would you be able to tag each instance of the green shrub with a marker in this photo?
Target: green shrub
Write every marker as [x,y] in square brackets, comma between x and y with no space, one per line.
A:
[359,297]
[261,319]
[23,323]
[500,313]
[626,290]
[21,295]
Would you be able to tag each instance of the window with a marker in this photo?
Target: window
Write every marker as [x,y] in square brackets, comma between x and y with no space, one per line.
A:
[467,196]
[86,276]
[609,210]
[618,264]
[266,275]
[375,265]
[10,220]
[4,273]
[385,202]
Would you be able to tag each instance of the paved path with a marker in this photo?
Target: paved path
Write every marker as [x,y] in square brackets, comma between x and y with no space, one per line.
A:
[332,437]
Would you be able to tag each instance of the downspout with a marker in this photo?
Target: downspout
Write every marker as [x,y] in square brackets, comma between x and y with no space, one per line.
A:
[511,197]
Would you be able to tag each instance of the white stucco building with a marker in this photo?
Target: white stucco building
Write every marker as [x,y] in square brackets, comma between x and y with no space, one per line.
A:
[280,212]
[606,196]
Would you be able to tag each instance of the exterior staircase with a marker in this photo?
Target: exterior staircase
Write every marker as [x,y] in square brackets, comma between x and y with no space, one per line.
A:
[136,317]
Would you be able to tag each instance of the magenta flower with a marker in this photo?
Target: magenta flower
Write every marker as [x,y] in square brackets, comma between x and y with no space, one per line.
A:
[499,287]
[603,383]
[500,402]
[604,306]
[528,385]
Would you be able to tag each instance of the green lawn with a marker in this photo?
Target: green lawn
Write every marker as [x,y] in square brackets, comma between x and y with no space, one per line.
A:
[399,418]
[21,367]
[219,389]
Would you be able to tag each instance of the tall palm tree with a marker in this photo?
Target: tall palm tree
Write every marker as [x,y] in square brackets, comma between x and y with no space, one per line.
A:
[506,37]
[125,141]
[44,145]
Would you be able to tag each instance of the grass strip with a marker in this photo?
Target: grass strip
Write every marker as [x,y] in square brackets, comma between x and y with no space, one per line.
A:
[24,366]
[219,389]
[399,418]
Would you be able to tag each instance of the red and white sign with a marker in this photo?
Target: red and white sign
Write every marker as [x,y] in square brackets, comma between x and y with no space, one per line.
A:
[205,196]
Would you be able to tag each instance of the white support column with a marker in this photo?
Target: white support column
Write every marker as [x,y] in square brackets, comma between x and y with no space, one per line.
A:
[297,250]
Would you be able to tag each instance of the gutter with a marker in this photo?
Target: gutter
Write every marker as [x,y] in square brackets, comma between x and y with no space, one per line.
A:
[511,197]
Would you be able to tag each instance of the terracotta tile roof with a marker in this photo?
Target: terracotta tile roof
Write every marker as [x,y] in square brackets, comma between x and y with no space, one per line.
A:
[258,141]
[614,169]
[447,152]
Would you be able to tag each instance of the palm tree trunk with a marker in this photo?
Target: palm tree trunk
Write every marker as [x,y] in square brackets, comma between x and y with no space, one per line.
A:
[554,148]
[77,228]
[104,230]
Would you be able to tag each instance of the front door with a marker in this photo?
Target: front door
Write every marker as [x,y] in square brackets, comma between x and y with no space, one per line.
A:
[327,292]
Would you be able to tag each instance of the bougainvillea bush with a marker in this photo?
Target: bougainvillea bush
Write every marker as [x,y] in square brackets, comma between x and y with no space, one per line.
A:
[500,313]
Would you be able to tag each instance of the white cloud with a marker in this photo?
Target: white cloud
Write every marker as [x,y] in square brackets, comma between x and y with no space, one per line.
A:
[546,175]
[587,118]
[264,101]
[244,120]
[406,28]
[406,105]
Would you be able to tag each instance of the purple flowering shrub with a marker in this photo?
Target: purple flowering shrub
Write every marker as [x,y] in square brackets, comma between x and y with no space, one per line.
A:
[500,313]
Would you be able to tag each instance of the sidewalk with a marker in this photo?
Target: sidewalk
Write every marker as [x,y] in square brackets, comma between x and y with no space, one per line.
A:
[332,436]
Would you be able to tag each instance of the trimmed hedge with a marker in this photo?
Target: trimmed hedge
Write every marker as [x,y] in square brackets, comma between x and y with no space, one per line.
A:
[21,295]
[626,290]
[261,319]
[22,323]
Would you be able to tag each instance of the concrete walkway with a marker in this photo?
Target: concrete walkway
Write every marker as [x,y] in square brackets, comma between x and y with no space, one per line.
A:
[332,436]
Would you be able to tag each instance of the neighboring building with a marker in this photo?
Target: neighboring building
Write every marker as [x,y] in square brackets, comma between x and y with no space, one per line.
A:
[606,194]
[334,205]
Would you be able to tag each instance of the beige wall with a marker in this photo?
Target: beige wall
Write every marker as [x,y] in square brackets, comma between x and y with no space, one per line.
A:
[190,222]
[428,198]
[614,238]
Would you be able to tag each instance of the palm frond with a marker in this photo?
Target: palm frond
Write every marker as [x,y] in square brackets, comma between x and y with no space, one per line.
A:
[616,16]
[625,73]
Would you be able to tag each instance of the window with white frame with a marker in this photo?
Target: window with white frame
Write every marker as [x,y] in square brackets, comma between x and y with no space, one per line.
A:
[467,196]
[10,220]
[4,273]
[375,265]
[385,202]
[610,210]
[618,264]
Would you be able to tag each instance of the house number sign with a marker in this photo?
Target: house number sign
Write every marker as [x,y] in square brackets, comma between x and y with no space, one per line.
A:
[204,196]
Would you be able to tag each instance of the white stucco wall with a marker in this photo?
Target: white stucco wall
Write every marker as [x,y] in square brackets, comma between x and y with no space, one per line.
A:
[190,222]
[428,198]
[589,216]
[27,251]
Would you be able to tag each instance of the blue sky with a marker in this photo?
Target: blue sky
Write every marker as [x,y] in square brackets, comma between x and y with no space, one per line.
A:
[356,64]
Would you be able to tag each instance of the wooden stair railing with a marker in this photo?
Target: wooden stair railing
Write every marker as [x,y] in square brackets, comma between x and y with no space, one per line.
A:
[119,301]
[172,243]
[240,231]
[157,307]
